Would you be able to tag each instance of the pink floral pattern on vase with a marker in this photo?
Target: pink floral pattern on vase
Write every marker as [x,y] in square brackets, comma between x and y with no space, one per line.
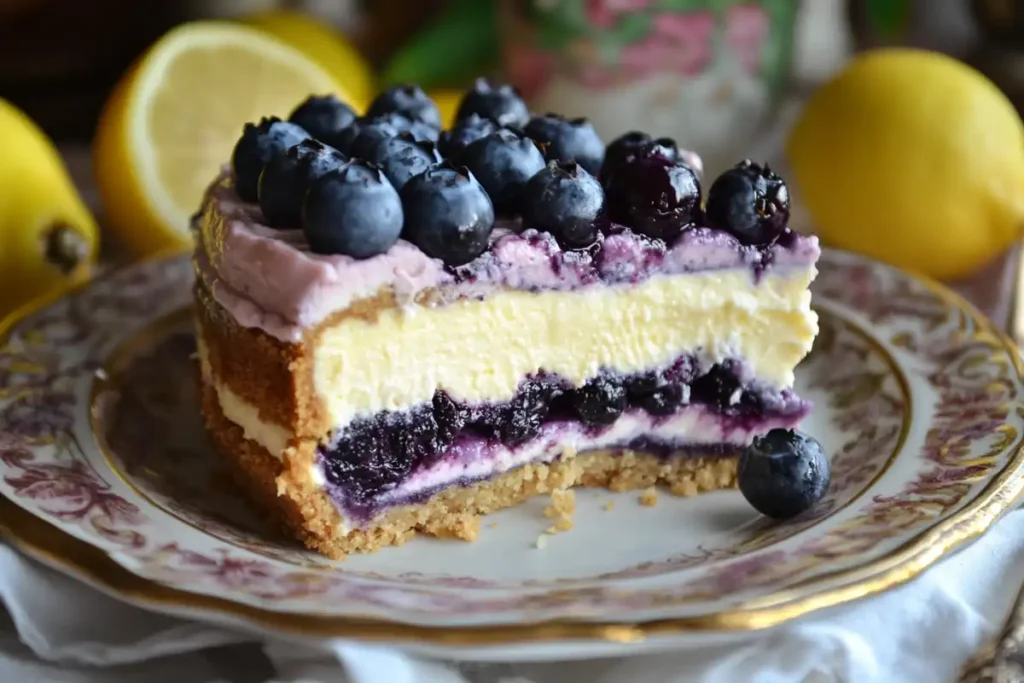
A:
[746,30]
[678,41]
[605,13]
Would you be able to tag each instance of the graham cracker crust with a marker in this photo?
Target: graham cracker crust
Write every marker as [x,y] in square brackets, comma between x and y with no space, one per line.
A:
[284,489]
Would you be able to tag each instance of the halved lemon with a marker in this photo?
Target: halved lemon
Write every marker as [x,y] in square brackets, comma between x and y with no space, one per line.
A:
[174,118]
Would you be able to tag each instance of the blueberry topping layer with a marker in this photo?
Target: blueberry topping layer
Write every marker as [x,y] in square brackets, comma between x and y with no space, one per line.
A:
[503,162]
[750,202]
[353,211]
[258,145]
[783,473]
[408,100]
[287,177]
[565,200]
[403,157]
[565,139]
[447,214]
[465,132]
[323,117]
[655,196]
[374,455]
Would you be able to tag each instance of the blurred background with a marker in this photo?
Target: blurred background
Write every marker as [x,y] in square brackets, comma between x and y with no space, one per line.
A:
[728,78]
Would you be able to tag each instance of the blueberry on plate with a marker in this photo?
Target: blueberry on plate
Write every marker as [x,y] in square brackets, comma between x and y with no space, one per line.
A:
[423,131]
[403,157]
[498,102]
[287,177]
[353,210]
[783,473]
[567,140]
[448,214]
[563,199]
[408,100]
[654,195]
[323,116]
[503,162]
[463,134]
[258,145]
[750,202]
[600,401]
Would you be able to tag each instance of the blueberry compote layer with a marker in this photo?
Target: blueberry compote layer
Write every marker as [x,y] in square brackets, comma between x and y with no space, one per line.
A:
[665,412]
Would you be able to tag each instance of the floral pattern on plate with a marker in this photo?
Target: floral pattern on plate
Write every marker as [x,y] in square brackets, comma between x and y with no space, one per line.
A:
[917,399]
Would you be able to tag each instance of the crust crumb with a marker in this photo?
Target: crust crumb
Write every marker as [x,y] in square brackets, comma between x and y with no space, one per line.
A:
[609,506]
[649,498]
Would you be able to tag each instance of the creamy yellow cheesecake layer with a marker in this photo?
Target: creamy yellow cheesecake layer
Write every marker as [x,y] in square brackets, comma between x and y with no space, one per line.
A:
[479,351]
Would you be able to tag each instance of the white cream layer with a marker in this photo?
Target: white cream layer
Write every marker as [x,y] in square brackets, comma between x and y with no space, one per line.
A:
[480,350]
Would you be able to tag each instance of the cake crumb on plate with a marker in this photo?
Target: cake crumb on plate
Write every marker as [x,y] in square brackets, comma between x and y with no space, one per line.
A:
[649,498]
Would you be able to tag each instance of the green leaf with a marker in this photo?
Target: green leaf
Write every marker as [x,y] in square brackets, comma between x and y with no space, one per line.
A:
[889,17]
[466,34]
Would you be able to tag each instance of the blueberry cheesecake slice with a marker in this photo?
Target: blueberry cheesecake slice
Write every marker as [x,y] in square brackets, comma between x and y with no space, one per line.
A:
[399,337]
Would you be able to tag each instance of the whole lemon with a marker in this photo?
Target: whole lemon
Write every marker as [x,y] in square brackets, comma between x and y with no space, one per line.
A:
[913,158]
[48,237]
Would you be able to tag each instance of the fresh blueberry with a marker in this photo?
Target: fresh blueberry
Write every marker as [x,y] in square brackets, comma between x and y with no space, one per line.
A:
[783,473]
[447,214]
[503,162]
[500,103]
[373,130]
[662,147]
[257,146]
[750,202]
[627,147]
[600,401]
[343,139]
[563,199]
[620,152]
[323,116]
[288,176]
[567,140]
[423,131]
[353,210]
[403,157]
[655,196]
[408,100]
[464,133]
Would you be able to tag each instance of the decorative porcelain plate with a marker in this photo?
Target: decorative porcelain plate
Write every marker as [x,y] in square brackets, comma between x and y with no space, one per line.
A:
[106,474]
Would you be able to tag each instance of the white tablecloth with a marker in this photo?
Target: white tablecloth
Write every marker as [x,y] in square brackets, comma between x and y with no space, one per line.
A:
[62,631]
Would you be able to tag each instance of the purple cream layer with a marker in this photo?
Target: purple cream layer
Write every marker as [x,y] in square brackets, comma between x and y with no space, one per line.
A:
[269,279]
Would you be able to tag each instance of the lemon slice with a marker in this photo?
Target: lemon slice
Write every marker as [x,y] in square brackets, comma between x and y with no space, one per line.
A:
[173,121]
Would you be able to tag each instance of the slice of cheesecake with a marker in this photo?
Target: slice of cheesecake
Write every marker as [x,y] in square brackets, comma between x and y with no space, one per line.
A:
[367,386]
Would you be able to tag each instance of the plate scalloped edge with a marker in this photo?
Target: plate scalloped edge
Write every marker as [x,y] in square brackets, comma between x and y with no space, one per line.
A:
[48,543]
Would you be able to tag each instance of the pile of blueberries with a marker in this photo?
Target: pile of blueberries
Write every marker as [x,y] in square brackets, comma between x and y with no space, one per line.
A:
[355,184]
